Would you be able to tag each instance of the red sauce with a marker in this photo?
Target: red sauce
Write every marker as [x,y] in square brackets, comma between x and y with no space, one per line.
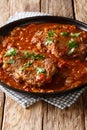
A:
[44,57]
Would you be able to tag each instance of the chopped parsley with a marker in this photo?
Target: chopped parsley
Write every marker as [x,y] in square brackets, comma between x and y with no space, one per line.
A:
[72,45]
[40,56]
[28,64]
[21,68]
[33,56]
[11,61]
[26,54]
[75,34]
[64,33]
[11,52]
[50,37]
[71,51]
[40,70]
[51,33]
[49,40]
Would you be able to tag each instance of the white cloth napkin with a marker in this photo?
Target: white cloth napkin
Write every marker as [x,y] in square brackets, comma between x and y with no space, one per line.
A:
[25,100]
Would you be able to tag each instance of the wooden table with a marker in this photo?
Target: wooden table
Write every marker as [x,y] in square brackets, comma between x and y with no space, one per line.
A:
[42,116]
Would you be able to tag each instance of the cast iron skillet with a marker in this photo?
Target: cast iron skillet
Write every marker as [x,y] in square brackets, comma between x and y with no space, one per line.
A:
[42,19]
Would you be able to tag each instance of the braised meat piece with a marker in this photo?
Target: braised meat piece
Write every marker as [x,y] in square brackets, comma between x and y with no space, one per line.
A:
[33,68]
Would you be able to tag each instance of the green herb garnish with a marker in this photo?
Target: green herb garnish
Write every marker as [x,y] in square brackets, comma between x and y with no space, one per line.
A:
[40,70]
[11,52]
[36,57]
[75,34]
[28,64]
[26,54]
[40,56]
[72,45]
[64,33]
[51,33]
[50,37]
[33,56]
[21,68]
[11,61]
[71,51]
[49,40]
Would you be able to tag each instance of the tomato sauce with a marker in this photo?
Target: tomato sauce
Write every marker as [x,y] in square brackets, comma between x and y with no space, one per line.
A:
[45,57]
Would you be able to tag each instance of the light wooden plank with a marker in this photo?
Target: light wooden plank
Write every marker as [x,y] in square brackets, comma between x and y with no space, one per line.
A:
[52,116]
[16,117]
[4,11]
[81,10]
[24,5]
[1,107]
[85,108]
[3,17]
[81,14]
[57,7]
[67,119]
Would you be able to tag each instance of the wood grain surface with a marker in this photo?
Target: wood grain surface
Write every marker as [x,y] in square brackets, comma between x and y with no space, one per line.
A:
[3,18]
[85,109]
[42,116]
[81,10]
[57,7]
[1,107]
[81,14]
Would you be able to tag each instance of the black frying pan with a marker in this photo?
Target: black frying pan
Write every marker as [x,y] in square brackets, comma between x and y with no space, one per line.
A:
[42,19]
